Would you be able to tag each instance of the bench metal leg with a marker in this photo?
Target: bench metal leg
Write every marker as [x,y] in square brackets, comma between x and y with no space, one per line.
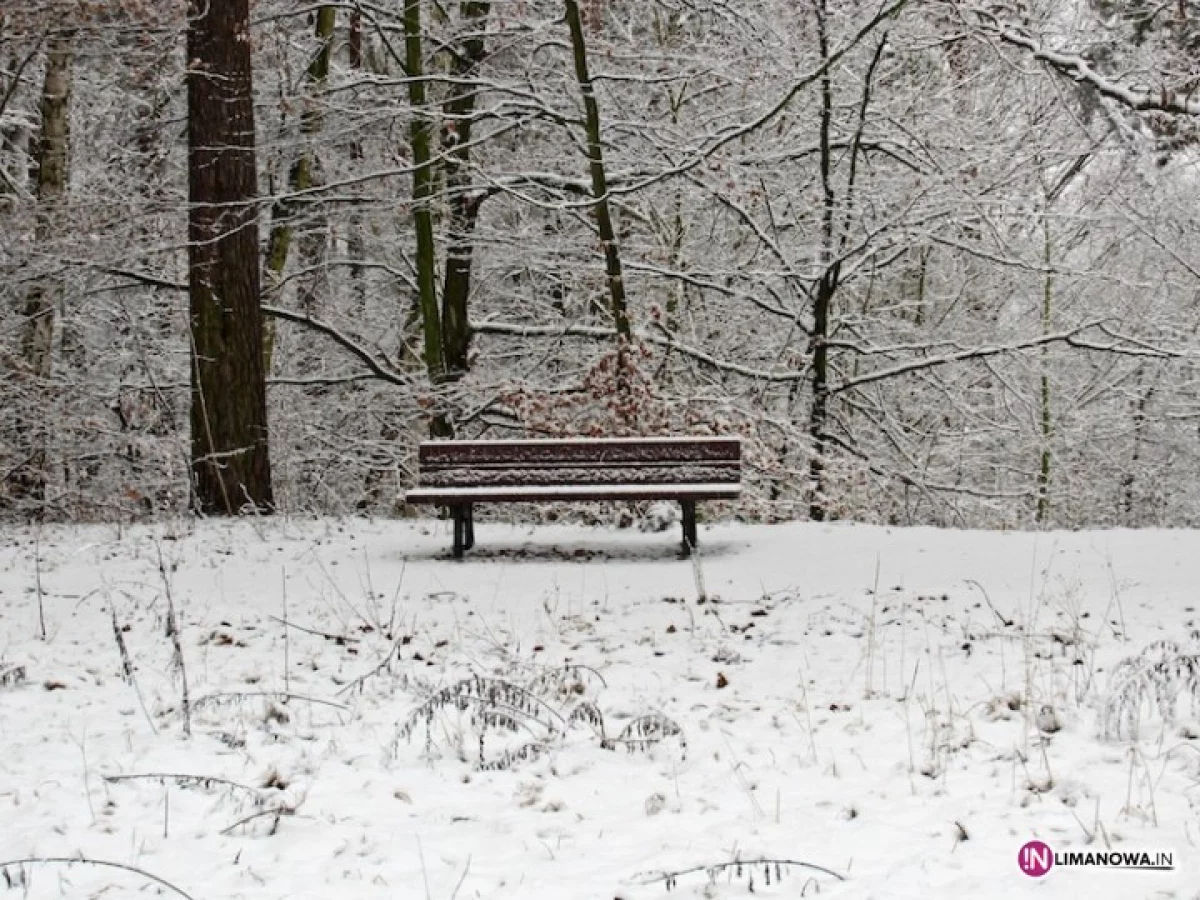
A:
[689,526]
[460,527]
[470,525]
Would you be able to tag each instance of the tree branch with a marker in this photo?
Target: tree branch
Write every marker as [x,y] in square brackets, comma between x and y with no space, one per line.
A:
[1078,68]
[84,861]
[1070,338]
[608,334]
[20,69]
[380,370]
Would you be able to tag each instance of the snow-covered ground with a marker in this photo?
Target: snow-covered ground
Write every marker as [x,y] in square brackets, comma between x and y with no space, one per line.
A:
[903,707]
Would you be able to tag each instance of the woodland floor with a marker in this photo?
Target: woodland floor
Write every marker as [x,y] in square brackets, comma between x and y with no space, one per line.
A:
[861,699]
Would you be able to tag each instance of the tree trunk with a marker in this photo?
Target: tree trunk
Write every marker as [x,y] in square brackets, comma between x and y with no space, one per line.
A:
[1129,479]
[37,339]
[301,174]
[355,243]
[1047,421]
[230,458]
[818,506]
[595,151]
[420,139]
[458,111]
[355,42]
[51,188]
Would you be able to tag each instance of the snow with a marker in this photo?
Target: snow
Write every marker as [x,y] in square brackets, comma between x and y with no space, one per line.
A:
[497,493]
[584,441]
[864,719]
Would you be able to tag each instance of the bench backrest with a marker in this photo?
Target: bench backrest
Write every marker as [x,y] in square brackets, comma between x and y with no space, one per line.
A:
[581,461]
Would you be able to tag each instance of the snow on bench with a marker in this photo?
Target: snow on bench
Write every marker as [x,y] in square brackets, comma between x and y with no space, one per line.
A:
[459,474]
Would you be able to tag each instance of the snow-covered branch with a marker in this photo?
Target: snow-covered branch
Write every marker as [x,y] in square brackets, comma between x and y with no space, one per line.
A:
[381,370]
[513,329]
[1078,68]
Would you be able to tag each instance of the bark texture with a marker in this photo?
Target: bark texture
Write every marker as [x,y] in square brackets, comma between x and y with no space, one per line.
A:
[230,459]
[826,288]
[459,111]
[595,151]
[28,479]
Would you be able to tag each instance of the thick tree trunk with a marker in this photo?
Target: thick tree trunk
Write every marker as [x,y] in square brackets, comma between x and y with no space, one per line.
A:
[51,188]
[420,140]
[230,459]
[458,110]
[28,481]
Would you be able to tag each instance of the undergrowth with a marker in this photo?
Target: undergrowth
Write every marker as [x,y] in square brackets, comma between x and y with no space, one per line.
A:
[763,871]
[505,721]
[1158,679]
[11,674]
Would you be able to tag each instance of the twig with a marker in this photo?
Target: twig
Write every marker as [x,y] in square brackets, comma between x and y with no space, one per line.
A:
[16,74]
[37,569]
[1007,623]
[338,638]
[127,664]
[287,653]
[1077,68]
[871,635]
[183,778]
[83,860]
[243,695]
[378,367]
[424,872]
[1116,597]
[277,811]
[173,629]
[461,879]
[393,653]
[671,876]
[87,775]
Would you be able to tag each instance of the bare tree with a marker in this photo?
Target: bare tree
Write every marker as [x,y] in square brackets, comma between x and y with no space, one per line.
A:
[595,154]
[28,479]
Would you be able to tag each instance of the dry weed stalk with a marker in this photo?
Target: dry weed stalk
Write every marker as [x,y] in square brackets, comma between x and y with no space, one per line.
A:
[1158,677]
[544,708]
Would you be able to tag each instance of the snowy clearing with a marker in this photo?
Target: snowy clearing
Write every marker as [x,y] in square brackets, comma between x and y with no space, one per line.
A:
[905,708]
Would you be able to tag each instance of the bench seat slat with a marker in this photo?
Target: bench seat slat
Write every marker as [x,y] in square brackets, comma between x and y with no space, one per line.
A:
[551,465]
[610,451]
[549,476]
[583,441]
[536,493]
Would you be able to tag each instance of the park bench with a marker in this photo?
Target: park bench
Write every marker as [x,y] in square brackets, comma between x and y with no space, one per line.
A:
[460,474]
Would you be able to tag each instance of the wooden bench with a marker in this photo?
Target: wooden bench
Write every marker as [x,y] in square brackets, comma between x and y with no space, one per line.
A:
[459,474]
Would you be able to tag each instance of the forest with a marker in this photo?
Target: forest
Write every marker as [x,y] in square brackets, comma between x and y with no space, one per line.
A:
[935,261]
